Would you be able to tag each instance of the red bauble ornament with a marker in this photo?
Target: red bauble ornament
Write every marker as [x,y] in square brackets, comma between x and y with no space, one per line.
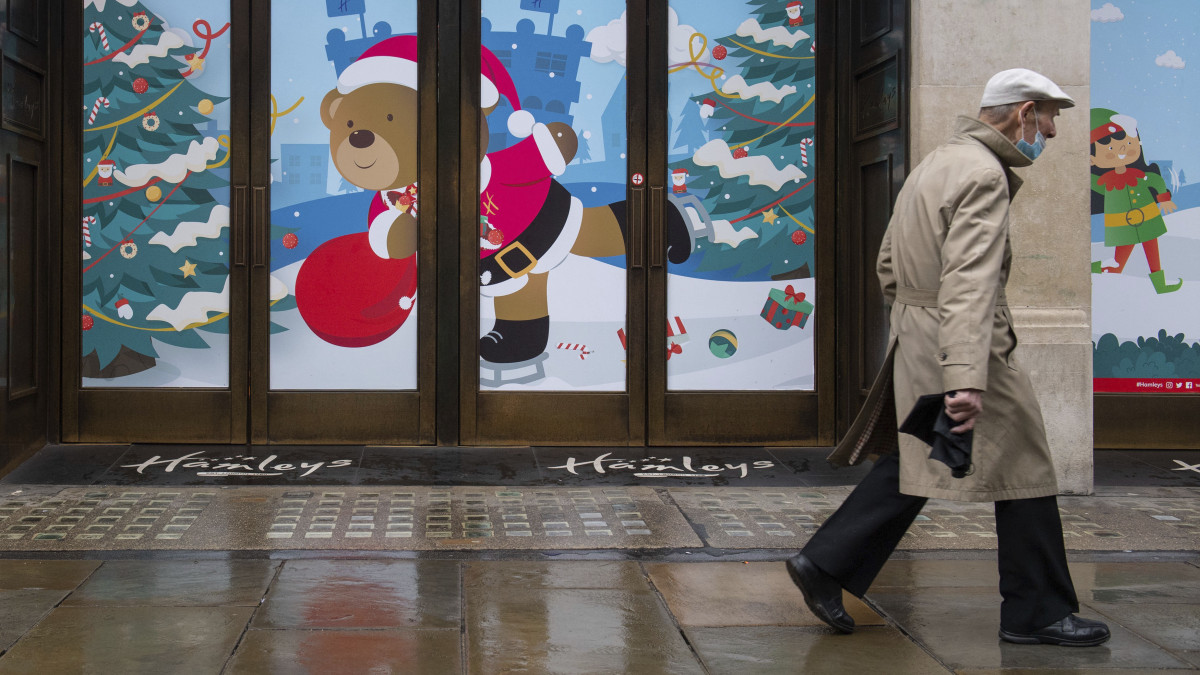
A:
[740,153]
[88,322]
[290,240]
[495,237]
[798,237]
[140,85]
[719,52]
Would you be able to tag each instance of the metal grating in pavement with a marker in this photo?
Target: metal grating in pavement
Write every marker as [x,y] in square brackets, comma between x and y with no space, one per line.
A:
[775,518]
[254,518]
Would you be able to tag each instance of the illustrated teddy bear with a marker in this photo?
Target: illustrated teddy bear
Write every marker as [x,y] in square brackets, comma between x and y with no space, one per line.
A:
[530,222]
[358,289]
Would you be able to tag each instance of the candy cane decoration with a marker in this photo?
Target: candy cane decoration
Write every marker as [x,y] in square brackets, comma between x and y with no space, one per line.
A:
[88,221]
[813,47]
[97,26]
[582,349]
[96,108]
[805,144]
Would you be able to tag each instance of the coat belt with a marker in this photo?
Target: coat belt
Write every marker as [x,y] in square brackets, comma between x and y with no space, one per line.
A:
[927,297]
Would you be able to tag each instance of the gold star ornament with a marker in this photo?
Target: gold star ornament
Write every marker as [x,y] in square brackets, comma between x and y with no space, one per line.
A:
[188,269]
[770,217]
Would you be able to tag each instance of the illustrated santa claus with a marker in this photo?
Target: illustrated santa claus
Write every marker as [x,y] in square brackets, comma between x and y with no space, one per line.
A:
[679,181]
[104,172]
[793,12]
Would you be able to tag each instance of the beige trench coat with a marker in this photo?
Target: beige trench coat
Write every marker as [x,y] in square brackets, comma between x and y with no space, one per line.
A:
[943,265]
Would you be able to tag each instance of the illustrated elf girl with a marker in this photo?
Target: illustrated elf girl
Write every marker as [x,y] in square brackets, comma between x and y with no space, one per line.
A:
[1135,195]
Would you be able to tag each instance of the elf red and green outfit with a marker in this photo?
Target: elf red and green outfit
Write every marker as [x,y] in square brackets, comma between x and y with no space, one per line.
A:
[1134,199]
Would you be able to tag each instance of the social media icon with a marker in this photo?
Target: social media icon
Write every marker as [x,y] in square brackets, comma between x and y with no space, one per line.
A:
[1189,385]
[1170,385]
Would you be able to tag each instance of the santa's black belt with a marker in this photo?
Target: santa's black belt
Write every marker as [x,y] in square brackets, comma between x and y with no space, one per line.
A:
[521,255]
[928,297]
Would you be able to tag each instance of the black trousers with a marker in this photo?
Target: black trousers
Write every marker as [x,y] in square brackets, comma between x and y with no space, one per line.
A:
[855,542]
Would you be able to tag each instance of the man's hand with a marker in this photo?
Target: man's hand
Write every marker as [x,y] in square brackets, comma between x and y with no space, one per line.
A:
[964,406]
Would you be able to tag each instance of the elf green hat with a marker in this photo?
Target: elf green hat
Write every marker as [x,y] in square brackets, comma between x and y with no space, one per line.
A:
[1106,122]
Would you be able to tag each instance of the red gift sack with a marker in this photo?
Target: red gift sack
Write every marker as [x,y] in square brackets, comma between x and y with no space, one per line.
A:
[351,297]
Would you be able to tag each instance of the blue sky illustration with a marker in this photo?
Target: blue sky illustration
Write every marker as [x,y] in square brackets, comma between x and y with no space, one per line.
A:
[1145,65]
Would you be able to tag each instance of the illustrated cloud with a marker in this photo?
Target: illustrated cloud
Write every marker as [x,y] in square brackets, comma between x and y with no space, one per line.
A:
[608,41]
[1169,60]
[1107,14]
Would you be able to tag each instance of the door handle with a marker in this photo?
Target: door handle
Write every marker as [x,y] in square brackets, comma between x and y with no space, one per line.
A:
[262,227]
[657,250]
[636,213]
[237,235]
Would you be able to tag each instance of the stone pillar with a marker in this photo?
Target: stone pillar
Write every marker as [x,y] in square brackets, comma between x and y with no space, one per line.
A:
[956,46]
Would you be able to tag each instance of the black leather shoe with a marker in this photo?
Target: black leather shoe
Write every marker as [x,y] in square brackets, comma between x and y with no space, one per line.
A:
[1069,631]
[822,593]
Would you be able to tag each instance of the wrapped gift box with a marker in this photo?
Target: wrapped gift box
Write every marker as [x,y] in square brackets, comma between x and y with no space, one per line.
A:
[786,308]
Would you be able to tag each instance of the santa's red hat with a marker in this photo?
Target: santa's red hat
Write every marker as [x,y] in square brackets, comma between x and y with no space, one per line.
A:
[494,82]
[393,61]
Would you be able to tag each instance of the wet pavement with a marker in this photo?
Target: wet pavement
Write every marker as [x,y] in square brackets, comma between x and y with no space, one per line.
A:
[164,572]
[583,616]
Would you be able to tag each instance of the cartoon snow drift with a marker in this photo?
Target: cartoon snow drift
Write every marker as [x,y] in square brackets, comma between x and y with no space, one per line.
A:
[1135,195]
[359,291]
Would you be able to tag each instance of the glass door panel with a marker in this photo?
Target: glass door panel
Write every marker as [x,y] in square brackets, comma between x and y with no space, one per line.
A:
[344,198]
[742,184]
[552,203]
[155,208]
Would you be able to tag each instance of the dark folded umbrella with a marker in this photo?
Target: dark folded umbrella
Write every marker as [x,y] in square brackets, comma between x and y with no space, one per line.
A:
[929,422]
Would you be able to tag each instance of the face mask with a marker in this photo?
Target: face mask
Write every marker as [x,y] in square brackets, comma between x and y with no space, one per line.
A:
[1032,150]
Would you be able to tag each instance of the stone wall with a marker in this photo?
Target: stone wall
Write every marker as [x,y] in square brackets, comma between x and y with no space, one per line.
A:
[956,46]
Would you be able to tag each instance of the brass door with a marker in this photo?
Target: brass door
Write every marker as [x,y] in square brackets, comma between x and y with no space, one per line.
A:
[757,366]
[336,92]
[28,148]
[230,291]
[155,260]
[704,356]
[551,264]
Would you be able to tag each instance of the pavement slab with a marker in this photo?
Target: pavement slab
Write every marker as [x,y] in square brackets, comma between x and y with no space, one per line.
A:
[129,640]
[959,627]
[305,652]
[362,594]
[738,650]
[748,594]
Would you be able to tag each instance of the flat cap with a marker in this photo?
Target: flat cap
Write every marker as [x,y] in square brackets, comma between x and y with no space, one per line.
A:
[1021,84]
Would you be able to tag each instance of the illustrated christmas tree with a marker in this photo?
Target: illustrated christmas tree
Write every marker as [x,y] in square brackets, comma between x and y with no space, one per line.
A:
[754,175]
[155,224]
[689,134]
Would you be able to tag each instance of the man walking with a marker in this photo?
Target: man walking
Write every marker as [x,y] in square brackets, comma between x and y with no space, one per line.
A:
[943,266]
